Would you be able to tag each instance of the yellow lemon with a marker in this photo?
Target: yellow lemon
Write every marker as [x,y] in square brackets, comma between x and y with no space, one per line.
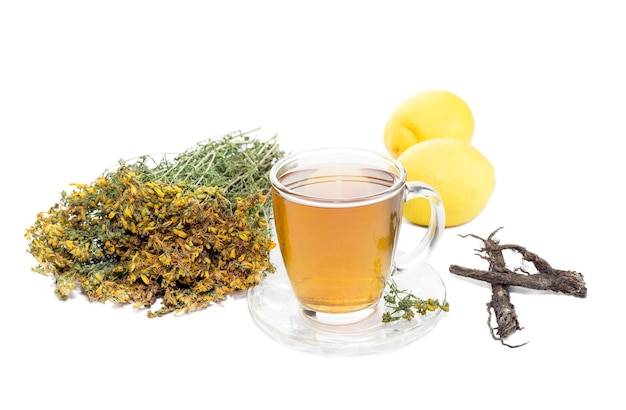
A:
[427,115]
[463,177]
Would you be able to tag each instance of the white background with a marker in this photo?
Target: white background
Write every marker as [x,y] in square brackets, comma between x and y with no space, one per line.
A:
[84,84]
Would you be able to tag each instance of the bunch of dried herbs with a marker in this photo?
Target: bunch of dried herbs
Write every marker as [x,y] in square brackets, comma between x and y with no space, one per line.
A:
[177,233]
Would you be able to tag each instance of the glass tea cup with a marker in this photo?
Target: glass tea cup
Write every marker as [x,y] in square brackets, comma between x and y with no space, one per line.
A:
[338,213]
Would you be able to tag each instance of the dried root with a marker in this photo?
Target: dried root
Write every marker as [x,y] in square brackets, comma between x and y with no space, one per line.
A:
[504,311]
[501,278]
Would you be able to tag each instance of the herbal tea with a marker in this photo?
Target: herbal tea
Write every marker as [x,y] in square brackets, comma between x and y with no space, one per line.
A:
[337,251]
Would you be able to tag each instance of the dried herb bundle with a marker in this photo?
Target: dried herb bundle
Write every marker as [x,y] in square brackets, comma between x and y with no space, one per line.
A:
[236,163]
[502,278]
[185,232]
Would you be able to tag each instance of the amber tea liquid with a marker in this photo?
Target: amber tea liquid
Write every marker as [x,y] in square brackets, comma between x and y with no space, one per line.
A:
[338,247]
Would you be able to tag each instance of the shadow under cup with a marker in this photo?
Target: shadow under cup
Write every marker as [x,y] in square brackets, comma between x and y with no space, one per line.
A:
[337,213]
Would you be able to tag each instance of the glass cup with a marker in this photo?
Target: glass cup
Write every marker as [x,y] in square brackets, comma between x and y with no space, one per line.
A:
[337,213]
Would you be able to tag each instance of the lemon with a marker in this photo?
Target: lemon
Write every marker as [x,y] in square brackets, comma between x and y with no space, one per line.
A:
[462,175]
[428,115]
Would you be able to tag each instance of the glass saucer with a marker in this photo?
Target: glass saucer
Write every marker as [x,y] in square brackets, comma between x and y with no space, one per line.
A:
[276,311]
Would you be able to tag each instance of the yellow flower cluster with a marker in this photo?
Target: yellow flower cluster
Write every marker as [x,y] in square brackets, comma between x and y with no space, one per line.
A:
[129,241]
[402,304]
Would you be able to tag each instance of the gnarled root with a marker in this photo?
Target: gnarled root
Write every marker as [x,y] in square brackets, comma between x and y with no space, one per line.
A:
[501,278]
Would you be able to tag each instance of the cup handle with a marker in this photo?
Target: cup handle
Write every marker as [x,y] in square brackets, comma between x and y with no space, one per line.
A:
[435,228]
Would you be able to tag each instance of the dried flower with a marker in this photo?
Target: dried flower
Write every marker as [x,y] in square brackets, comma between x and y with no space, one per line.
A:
[404,304]
[182,233]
